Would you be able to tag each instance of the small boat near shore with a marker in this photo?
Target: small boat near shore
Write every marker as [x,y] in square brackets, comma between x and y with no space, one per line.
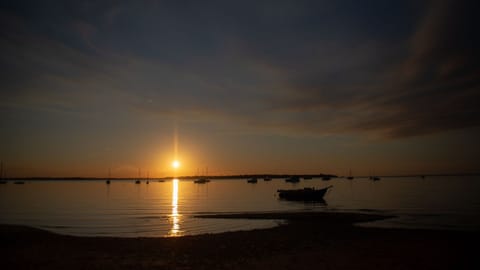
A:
[252,180]
[305,194]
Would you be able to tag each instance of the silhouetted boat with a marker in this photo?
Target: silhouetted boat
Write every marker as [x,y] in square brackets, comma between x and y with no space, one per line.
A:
[19,182]
[305,194]
[201,181]
[109,176]
[161,180]
[350,177]
[137,182]
[326,178]
[375,178]
[267,179]
[252,180]
[293,179]
[307,177]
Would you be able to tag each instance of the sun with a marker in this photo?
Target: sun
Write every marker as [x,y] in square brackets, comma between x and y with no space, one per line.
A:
[175,164]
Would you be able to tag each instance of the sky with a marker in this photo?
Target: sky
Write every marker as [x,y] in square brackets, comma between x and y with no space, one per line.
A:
[239,87]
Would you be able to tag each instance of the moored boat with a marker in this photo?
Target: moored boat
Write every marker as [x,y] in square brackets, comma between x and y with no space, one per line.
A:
[252,180]
[293,179]
[201,181]
[305,194]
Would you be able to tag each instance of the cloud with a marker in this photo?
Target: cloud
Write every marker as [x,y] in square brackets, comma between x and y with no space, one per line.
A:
[428,84]
[395,69]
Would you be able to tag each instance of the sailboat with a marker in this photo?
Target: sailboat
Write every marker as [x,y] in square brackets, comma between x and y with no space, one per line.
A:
[202,180]
[1,174]
[138,181]
[350,177]
[109,175]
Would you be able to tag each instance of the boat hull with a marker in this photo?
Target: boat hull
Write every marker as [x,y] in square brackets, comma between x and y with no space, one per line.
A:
[306,194]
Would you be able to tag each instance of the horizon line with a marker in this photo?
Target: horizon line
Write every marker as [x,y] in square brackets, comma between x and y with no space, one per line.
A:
[236,176]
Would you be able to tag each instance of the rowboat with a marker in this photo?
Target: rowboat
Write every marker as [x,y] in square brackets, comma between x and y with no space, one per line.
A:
[305,194]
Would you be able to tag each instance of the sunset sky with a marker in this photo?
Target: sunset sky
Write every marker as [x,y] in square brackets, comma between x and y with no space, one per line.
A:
[383,87]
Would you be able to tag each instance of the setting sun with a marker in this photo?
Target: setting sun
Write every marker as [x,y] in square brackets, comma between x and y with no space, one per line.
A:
[175,164]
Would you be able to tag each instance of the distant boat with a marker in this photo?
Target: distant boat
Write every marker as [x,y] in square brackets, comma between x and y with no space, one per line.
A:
[307,177]
[293,179]
[305,194]
[350,177]
[19,182]
[252,180]
[267,178]
[109,176]
[326,178]
[139,174]
[161,180]
[375,178]
[201,181]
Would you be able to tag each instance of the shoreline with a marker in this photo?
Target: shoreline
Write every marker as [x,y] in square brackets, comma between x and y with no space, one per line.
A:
[307,240]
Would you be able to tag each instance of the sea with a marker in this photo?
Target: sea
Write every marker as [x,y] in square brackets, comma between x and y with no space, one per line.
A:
[170,208]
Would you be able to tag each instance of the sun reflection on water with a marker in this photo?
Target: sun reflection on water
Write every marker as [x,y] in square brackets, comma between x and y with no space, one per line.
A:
[175,217]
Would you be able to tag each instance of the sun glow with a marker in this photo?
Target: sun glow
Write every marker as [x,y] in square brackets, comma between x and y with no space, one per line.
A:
[175,164]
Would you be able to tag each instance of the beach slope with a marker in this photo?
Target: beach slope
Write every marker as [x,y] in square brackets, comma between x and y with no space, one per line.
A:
[308,241]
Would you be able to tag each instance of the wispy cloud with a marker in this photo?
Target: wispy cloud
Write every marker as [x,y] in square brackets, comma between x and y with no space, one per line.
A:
[317,67]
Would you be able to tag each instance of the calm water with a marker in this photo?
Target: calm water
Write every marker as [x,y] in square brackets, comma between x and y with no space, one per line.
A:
[166,209]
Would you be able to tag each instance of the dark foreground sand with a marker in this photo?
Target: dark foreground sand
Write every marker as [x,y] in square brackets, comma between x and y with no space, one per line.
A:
[310,241]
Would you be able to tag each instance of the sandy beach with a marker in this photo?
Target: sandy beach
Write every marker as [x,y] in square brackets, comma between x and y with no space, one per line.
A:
[307,241]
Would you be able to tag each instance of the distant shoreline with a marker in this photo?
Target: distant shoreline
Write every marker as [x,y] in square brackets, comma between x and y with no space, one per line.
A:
[242,176]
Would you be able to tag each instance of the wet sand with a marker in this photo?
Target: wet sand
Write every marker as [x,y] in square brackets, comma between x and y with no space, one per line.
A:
[308,241]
